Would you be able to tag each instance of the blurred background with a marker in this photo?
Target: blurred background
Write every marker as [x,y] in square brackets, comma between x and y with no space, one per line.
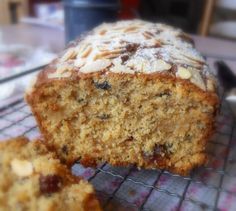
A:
[203,17]
[33,32]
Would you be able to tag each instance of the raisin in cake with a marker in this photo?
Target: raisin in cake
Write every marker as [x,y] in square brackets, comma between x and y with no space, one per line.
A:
[130,92]
[31,178]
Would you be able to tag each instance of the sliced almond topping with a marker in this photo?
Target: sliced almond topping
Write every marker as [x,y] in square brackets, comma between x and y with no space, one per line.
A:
[64,68]
[139,65]
[95,66]
[79,62]
[183,73]
[22,168]
[131,28]
[118,68]
[108,54]
[62,71]
[197,79]
[84,50]
[70,54]
[147,35]
[210,85]
[160,65]
[59,75]
[102,32]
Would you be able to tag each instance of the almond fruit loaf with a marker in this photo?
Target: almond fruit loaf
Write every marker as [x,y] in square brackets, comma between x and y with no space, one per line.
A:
[130,92]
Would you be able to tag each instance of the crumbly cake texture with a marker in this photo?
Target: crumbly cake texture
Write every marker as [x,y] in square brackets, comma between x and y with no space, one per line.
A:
[31,178]
[130,92]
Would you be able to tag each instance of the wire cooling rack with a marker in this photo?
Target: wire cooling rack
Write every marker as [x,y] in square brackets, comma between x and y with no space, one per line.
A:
[212,187]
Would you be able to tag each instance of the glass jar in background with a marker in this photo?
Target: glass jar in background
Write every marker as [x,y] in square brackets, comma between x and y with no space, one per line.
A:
[83,15]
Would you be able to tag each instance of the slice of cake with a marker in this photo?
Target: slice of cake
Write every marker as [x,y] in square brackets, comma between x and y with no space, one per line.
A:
[130,92]
[31,178]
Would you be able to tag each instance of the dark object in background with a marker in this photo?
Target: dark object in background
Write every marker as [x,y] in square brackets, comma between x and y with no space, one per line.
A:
[226,76]
[184,14]
[129,9]
[228,81]
[83,15]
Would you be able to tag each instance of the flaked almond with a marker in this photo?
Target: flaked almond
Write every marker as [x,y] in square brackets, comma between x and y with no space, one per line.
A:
[95,66]
[83,50]
[63,68]
[108,54]
[183,73]
[102,32]
[59,75]
[139,64]
[79,62]
[86,52]
[22,168]
[70,54]
[160,65]
[197,79]
[147,35]
[210,85]
[118,68]
[131,28]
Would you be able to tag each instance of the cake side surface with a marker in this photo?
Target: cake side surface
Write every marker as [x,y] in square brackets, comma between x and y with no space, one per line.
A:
[32,178]
[165,124]
[131,92]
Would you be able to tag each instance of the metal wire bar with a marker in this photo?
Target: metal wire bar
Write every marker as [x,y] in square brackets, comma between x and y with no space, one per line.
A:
[116,190]
[224,167]
[15,76]
[151,190]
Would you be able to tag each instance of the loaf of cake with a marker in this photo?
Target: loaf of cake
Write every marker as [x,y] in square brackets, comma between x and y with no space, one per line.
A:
[130,92]
[33,179]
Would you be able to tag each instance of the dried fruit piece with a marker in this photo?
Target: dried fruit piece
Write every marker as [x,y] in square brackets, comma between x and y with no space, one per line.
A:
[183,73]
[132,47]
[95,66]
[22,168]
[50,184]
[103,116]
[102,85]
